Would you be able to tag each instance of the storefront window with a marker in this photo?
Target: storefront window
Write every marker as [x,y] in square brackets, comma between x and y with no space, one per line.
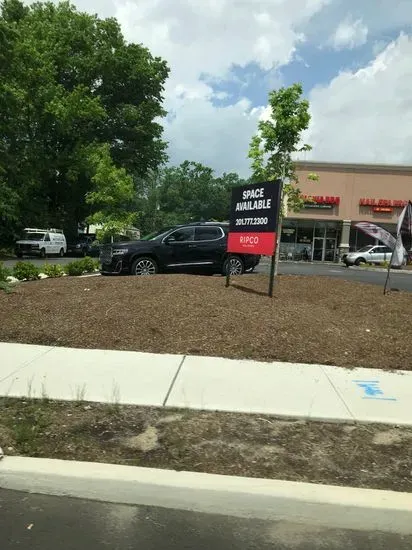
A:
[309,240]
[288,234]
[305,235]
[320,229]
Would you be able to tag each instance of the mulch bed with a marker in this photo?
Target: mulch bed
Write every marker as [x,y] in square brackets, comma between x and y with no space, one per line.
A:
[309,320]
[376,457]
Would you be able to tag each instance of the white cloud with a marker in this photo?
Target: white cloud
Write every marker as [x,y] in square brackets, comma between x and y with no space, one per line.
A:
[363,115]
[208,37]
[366,116]
[349,34]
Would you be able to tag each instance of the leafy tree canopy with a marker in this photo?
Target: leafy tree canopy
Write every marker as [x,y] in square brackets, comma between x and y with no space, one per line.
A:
[189,192]
[279,138]
[70,83]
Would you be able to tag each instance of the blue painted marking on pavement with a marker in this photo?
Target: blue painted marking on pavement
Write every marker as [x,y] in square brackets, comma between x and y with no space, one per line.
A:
[372,390]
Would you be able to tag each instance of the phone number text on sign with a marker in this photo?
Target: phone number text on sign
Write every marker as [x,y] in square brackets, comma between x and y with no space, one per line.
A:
[252,221]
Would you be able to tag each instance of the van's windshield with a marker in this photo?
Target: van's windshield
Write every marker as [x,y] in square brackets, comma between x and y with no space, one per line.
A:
[33,236]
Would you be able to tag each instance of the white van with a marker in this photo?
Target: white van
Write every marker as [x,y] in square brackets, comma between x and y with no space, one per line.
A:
[41,242]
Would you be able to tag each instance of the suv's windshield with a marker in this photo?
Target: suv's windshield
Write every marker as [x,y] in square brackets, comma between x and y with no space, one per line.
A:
[366,248]
[33,236]
[156,234]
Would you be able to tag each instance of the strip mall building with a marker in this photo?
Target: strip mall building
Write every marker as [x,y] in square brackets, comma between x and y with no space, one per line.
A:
[344,195]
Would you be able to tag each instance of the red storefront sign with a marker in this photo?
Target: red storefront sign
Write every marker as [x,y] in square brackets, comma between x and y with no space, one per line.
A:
[321,199]
[388,203]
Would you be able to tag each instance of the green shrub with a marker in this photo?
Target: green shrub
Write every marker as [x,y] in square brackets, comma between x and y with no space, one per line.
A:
[78,267]
[6,287]
[4,272]
[89,265]
[74,269]
[26,270]
[53,270]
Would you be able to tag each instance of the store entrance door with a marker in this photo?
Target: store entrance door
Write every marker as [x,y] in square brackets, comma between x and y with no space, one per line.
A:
[330,250]
[318,249]
[324,249]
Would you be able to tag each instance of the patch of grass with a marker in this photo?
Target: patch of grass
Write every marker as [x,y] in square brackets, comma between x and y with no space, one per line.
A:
[372,456]
[28,428]
[80,393]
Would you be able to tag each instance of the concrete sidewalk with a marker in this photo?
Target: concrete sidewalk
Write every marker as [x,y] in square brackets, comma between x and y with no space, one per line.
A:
[282,389]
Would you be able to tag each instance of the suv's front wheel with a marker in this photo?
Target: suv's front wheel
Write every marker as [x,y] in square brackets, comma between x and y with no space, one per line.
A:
[234,265]
[144,266]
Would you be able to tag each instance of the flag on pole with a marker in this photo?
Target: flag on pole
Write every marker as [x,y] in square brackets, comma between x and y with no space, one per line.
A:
[377,232]
[403,236]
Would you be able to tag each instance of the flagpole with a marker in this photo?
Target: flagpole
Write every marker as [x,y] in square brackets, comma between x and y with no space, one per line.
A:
[398,242]
[389,272]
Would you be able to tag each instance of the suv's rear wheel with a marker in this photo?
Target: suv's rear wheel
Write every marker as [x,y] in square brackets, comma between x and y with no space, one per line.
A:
[43,253]
[144,266]
[61,253]
[234,265]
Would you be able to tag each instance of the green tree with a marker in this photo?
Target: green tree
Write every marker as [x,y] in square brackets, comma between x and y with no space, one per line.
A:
[112,197]
[189,192]
[278,139]
[69,80]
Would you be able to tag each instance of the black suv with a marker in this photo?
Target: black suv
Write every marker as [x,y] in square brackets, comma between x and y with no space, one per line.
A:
[184,248]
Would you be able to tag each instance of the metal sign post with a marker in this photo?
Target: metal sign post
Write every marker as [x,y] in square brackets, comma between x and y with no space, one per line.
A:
[253,225]
[228,271]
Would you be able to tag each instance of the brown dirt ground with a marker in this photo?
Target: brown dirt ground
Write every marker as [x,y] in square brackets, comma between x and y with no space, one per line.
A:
[370,456]
[309,320]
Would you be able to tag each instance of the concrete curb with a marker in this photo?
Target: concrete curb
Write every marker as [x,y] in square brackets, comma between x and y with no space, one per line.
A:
[264,499]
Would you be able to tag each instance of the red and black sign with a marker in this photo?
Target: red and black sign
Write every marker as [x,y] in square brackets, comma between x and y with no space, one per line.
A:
[254,218]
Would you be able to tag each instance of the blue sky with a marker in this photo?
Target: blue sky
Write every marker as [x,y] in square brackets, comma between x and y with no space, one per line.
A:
[353,58]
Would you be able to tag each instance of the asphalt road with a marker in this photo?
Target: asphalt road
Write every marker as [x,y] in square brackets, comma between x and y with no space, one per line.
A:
[35,522]
[400,281]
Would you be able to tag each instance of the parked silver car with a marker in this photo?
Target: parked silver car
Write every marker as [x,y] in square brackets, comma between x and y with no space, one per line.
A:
[369,255]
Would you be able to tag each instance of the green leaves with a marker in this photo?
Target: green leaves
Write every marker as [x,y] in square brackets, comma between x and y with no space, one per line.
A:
[69,83]
[271,149]
[112,195]
[180,194]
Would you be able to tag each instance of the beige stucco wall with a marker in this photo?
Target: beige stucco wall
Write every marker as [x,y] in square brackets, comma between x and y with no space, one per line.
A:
[352,183]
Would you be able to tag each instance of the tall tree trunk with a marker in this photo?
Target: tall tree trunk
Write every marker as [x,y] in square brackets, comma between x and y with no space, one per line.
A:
[278,245]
